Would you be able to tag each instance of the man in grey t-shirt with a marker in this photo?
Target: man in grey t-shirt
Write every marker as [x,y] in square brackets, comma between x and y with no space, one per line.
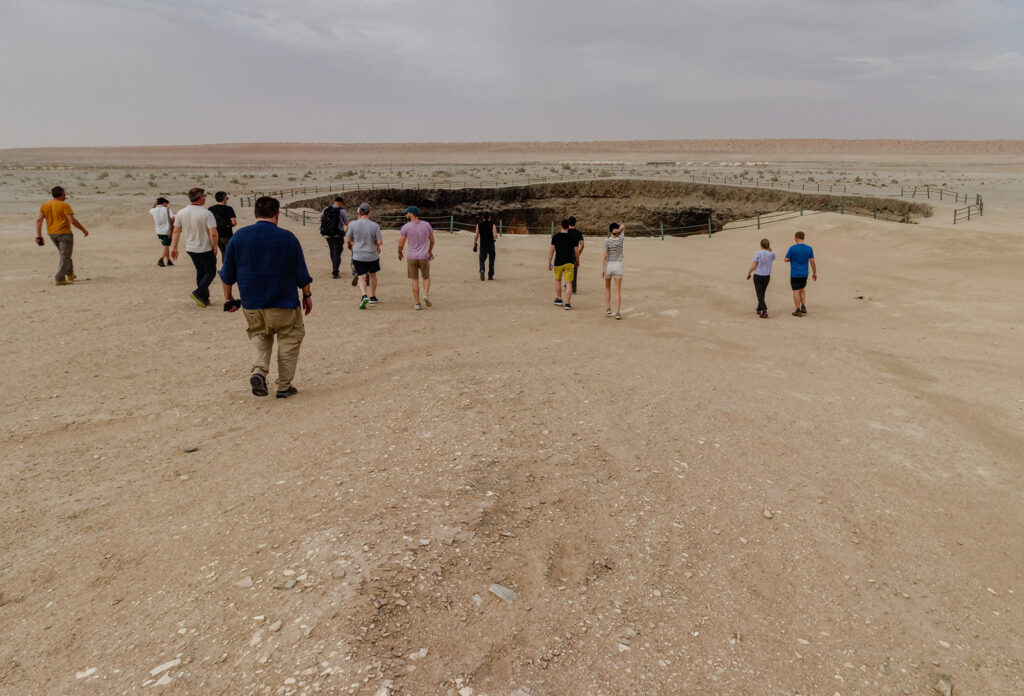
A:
[364,240]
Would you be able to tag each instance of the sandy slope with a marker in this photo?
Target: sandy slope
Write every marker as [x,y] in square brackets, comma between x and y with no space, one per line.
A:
[615,474]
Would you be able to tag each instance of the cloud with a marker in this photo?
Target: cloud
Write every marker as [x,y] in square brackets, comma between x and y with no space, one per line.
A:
[142,71]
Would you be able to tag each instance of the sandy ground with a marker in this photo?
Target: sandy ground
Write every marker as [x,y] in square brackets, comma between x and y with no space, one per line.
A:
[691,500]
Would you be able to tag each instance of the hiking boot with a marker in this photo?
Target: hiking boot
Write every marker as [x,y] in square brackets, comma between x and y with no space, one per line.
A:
[169,262]
[195,298]
[481,275]
[71,276]
[803,309]
[365,301]
[62,282]
[285,393]
[335,274]
[427,302]
[258,383]
[797,313]
[160,263]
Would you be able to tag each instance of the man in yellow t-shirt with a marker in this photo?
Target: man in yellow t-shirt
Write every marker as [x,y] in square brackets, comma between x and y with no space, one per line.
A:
[59,218]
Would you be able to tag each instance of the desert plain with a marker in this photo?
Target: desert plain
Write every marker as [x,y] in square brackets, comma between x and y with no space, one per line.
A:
[688,501]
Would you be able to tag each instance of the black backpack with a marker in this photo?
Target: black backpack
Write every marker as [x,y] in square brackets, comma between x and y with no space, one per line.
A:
[330,221]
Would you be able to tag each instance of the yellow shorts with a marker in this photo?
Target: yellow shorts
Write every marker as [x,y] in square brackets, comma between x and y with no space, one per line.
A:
[565,272]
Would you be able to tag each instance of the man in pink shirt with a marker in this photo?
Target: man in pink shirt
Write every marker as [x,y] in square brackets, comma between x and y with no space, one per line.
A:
[420,235]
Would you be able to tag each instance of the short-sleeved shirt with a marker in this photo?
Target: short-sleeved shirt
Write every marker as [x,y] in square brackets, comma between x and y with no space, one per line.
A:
[56,214]
[223,214]
[614,247]
[162,219]
[577,234]
[196,222]
[799,255]
[418,233]
[565,247]
[364,234]
[764,259]
[267,263]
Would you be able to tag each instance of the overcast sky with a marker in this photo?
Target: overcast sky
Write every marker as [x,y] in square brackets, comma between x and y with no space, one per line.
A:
[126,72]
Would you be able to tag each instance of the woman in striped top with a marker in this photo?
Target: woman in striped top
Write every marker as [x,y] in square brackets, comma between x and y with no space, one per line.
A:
[611,267]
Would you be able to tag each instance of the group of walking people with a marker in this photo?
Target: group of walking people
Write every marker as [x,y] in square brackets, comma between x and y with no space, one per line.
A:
[269,267]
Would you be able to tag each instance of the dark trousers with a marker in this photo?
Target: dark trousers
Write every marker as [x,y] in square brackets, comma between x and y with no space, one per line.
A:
[206,269]
[222,244]
[335,245]
[487,252]
[575,276]
[760,285]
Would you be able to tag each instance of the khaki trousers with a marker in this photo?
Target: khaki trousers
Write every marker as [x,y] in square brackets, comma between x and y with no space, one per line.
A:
[65,244]
[286,324]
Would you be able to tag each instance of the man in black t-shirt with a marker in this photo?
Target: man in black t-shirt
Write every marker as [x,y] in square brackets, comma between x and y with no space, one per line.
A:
[224,214]
[579,239]
[562,259]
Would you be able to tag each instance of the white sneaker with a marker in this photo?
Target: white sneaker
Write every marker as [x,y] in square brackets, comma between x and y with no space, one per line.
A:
[417,306]
[426,301]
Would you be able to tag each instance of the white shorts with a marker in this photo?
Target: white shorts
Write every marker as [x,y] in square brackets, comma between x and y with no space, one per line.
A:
[613,269]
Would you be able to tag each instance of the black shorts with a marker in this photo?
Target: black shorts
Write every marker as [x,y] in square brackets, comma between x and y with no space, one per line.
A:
[798,283]
[364,267]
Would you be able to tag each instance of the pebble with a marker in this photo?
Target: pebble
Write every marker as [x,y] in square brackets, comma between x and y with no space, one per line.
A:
[503,593]
[944,686]
[478,600]
[466,691]
[419,655]
[767,514]
[163,681]
[191,448]
[87,673]
[424,542]
[338,573]
[164,667]
[244,582]
[623,648]
[289,583]
[275,627]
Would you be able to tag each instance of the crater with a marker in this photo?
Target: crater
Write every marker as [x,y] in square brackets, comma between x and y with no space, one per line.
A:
[680,208]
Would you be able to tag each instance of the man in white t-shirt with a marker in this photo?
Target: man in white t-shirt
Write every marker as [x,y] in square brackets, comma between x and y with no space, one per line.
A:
[163,218]
[200,229]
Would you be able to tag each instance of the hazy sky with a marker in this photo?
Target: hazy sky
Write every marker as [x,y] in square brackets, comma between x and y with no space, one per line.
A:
[120,72]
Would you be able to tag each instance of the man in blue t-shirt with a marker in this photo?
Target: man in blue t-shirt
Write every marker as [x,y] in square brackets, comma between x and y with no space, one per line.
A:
[798,257]
[267,263]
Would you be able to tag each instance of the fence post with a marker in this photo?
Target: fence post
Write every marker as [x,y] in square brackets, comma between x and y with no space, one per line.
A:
[662,231]
[709,227]
[842,205]
[552,227]
[876,213]
[801,211]
[907,220]
[940,194]
[968,213]
[500,232]
[451,224]
[954,217]
[759,221]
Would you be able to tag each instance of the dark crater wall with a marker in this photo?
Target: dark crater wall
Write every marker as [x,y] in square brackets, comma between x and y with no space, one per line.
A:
[638,204]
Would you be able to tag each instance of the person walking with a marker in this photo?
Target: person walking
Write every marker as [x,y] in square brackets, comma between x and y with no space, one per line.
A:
[163,218]
[200,230]
[579,240]
[59,218]
[564,250]
[611,268]
[799,256]
[224,214]
[267,263]
[333,225]
[761,268]
[484,238]
[421,252]
[364,240]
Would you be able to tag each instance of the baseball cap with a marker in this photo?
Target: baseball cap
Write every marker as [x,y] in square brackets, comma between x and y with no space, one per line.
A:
[412,209]
[364,207]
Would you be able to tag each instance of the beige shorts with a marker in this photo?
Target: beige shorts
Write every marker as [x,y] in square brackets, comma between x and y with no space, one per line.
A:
[422,266]
[613,269]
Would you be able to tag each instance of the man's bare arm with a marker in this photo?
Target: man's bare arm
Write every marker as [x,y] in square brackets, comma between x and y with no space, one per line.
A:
[76,223]
[39,224]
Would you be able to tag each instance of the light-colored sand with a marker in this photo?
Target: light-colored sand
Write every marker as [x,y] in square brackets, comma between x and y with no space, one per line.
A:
[615,474]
